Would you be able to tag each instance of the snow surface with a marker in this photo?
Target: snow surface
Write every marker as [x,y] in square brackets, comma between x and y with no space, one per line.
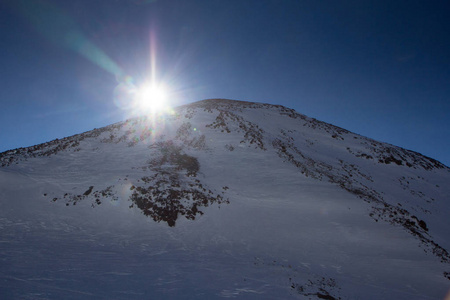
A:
[295,209]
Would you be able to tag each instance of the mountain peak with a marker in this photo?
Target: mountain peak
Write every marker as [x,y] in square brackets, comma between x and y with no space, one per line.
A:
[256,189]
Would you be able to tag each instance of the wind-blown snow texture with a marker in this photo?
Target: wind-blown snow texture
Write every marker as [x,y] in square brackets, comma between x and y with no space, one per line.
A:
[223,199]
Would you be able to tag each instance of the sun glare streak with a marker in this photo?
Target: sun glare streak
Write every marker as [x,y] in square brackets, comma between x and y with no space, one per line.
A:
[58,28]
[62,30]
[148,98]
[153,58]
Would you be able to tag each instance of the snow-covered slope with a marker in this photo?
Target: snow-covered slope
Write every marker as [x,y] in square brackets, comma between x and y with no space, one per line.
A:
[223,199]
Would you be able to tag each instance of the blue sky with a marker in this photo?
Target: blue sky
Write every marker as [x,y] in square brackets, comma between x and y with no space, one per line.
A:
[377,68]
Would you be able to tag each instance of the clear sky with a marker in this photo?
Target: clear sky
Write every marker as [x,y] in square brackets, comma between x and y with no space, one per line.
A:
[378,68]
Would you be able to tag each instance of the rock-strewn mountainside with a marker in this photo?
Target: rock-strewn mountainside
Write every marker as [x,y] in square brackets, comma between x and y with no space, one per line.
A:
[296,207]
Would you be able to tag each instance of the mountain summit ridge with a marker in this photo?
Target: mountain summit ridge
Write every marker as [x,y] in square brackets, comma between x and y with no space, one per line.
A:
[207,104]
[244,177]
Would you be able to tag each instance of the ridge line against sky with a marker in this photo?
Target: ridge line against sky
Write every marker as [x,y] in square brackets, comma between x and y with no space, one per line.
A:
[377,68]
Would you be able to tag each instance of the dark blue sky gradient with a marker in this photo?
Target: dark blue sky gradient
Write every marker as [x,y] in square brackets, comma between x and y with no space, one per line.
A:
[377,68]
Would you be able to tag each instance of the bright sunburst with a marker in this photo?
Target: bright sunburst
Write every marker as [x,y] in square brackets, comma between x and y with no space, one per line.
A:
[151,97]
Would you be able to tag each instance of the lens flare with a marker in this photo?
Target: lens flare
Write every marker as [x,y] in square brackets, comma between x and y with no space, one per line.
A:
[143,100]
[123,96]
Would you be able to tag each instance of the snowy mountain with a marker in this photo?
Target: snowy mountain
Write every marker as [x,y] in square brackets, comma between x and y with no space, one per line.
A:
[223,199]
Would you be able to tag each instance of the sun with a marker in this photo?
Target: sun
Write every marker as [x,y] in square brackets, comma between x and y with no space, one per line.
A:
[151,98]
